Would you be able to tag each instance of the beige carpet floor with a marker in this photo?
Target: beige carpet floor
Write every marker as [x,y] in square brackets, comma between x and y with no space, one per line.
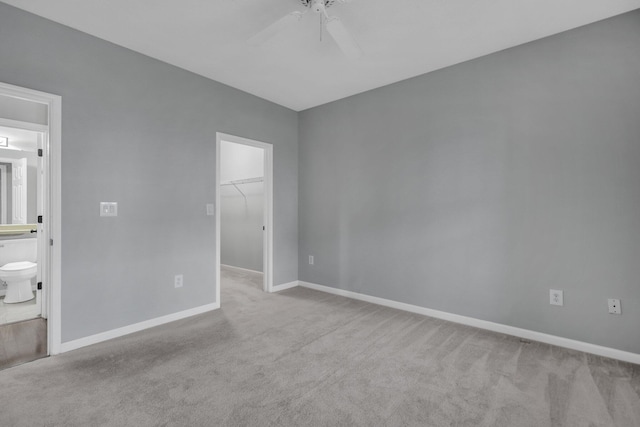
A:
[305,358]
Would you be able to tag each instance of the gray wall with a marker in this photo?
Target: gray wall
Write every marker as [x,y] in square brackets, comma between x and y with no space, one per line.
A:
[142,133]
[477,188]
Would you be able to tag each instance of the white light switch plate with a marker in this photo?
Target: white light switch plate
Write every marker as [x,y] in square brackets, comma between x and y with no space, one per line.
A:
[108,208]
[211,210]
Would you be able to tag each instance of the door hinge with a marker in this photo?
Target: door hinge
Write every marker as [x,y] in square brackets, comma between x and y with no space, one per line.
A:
[39,152]
[39,219]
[39,286]
[50,242]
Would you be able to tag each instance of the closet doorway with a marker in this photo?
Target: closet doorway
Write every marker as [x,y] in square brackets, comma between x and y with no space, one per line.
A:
[244,208]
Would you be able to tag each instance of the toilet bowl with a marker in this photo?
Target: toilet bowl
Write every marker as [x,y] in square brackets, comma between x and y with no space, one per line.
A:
[17,276]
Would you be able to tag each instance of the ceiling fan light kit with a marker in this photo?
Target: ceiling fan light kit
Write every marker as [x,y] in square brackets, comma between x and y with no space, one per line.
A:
[332,24]
[318,6]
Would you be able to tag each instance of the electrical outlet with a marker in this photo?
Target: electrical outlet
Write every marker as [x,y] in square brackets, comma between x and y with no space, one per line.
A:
[614,306]
[556,297]
[310,259]
[178,281]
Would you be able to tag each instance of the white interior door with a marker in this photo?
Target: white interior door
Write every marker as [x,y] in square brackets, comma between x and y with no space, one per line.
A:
[19,193]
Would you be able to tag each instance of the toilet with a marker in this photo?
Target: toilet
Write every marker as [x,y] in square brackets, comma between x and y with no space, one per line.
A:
[17,276]
[18,268]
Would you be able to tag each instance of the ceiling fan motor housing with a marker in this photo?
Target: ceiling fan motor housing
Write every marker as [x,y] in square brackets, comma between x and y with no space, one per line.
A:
[318,6]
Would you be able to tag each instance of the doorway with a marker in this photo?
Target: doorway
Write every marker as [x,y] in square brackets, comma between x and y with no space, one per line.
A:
[30,123]
[244,203]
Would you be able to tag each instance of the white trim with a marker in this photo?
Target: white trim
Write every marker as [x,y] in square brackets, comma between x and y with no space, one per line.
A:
[483,324]
[233,267]
[42,250]
[52,165]
[267,262]
[285,286]
[17,124]
[136,327]
[54,210]
[268,207]
[217,219]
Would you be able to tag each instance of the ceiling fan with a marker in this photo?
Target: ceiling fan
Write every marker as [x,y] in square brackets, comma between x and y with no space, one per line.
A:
[333,25]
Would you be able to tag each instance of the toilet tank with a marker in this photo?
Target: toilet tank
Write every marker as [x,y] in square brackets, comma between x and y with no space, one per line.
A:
[15,250]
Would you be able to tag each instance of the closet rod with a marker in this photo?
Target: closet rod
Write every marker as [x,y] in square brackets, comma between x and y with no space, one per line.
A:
[243,181]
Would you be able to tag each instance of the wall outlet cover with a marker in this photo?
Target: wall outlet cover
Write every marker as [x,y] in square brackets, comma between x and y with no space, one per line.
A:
[311,260]
[210,209]
[178,281]
[556,297]
[614,306]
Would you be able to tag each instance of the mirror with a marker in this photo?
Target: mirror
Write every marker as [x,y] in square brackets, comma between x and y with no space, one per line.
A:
[18,176]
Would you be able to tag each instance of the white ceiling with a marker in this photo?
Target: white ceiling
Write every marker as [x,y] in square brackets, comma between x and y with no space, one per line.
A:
[399,38]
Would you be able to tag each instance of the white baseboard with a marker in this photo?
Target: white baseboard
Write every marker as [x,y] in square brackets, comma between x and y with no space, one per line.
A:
[483,324]
[233,267]
[126,330]
[282,287]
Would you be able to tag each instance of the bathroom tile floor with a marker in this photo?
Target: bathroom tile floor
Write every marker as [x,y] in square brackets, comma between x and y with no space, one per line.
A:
[10,313]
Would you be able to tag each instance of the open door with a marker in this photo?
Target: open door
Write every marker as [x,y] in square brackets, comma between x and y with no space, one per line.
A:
[19,194]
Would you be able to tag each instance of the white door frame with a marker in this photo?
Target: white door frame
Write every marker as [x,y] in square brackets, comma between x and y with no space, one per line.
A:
[267,241]
[51,211]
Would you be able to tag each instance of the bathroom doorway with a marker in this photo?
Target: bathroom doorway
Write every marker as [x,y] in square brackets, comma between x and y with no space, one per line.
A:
[244,191]
[22,318]
[29,303]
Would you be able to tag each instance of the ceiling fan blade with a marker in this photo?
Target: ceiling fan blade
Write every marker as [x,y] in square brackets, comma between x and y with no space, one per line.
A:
[343,38]
[275,28]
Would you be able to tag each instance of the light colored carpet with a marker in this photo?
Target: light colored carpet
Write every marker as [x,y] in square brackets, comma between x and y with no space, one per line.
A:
[304,358]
